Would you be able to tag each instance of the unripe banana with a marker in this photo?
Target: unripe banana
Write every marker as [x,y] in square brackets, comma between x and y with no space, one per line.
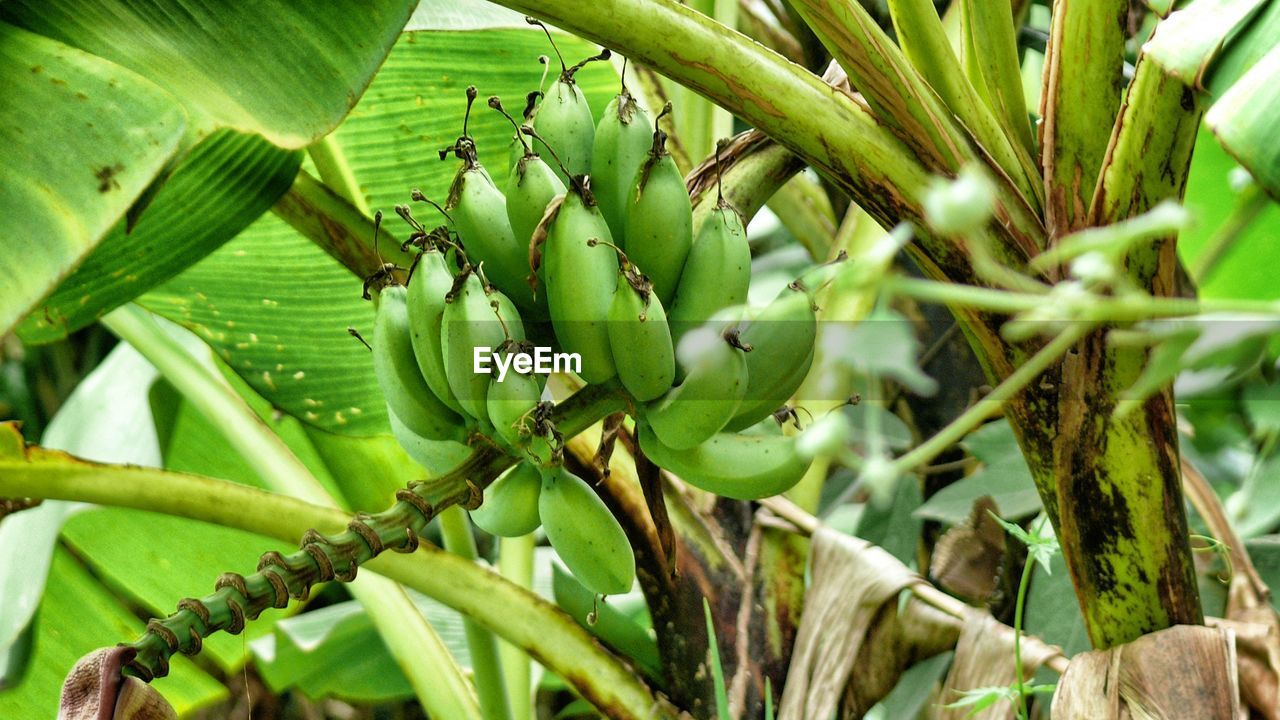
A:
[479,211]
[530,189]
[580,279]
[744,467]
[563,118]
[512,404]
[585,535]
[659,218]
[621,145]
[639,337]
[717,272]
[782,337]
[510,507]
[707,399]
[475,317]
[436,456]
[398,375]
[429,284]
[565,124]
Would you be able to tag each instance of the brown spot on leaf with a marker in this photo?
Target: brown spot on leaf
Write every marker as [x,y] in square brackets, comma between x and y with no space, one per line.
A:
[106,176]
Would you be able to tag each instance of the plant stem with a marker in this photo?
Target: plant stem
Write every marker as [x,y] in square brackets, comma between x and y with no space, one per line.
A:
[1027,569]
[1100,308]
[925,452]
[528,622]
[515,563]
[438,683]
[335,171]
[455,526]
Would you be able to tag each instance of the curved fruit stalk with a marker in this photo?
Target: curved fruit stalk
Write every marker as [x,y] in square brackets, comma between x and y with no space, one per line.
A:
[398,375]
[585,535]
[479,213]
[563,118]
[743,467]
[436,456]
[476,317]
[782,336]
[510,507]
[517,148]
[659,217]
[429,283]
[531,187]
[710,394]
[580,278]
[639,336]
[621,145]
[717,272]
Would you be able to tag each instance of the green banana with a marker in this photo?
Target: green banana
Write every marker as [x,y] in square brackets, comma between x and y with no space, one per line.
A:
[585,535]
[477,317]
[512,402]
[717,272]
[436,456]
[398,375]
[510,507]
[782,337]
[707,399]
[621,144]
[743,467]
[478,210]
[430,281]
[531,187]
[580,278]
[563,118]
[659,218]
[638,335]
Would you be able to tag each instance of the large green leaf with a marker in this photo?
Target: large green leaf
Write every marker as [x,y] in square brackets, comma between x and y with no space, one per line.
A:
[1189,40]
[336,652]
[1246,270]
[27,539]
[288,71]
[276,307]
[80,140]
[227,181]
[1244,121]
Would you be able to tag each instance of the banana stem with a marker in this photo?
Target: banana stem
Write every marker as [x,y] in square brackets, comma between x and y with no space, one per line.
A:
[455,526]
[549,635]
[515,563]
[322,558]
[409,637]
[335,171]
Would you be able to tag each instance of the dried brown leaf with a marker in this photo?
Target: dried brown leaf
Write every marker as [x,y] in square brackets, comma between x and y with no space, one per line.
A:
[852,580]
[1185,671]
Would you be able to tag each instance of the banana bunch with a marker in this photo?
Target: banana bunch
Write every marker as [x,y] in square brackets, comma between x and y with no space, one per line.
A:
[587,248]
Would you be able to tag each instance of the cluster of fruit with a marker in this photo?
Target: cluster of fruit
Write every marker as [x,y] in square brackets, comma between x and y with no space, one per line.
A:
[595,255]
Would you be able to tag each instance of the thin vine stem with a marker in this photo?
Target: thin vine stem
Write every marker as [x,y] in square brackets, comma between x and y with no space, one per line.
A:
[1025,582]
[971,418]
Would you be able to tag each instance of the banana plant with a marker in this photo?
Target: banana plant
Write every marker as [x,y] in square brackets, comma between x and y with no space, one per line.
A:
[218,168]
